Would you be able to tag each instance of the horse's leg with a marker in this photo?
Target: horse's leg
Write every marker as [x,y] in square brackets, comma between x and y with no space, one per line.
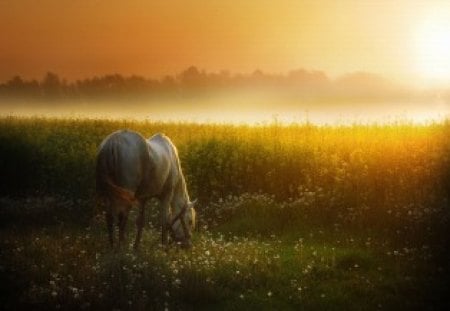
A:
[123,216]
[110,221]
[140,220]
[110,226]
[165,216]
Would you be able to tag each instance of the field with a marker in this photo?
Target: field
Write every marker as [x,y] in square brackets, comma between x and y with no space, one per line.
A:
[291,217]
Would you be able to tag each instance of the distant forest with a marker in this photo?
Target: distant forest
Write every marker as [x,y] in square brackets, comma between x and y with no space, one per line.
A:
[194,82]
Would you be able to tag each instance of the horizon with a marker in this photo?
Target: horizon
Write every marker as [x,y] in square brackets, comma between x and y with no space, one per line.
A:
[198,96]
[288,74]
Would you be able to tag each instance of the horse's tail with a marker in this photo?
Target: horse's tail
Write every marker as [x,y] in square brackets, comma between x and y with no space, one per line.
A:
[120,192]
[106,167]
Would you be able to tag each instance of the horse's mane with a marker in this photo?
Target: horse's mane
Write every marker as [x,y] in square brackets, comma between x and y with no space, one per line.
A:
[182,181]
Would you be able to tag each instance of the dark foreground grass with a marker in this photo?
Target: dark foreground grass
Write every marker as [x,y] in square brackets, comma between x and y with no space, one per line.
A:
[52,260]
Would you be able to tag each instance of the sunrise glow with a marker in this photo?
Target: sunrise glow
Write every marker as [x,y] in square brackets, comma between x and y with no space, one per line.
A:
[433,47]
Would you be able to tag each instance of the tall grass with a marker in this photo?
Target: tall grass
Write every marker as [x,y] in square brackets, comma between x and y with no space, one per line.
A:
[359,171]
[290,217]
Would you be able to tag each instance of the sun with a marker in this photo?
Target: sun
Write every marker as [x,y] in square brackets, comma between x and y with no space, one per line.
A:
[433,48]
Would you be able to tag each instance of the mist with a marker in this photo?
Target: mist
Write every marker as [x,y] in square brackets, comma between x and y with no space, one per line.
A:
[195,95]
[251,108]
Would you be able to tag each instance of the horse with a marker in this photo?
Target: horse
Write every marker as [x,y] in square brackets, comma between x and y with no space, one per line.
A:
[130,170]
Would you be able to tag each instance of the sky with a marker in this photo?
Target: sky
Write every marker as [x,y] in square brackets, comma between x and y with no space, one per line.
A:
[407,41]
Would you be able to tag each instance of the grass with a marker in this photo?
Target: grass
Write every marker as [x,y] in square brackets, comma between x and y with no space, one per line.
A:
[291,217]
[68,265]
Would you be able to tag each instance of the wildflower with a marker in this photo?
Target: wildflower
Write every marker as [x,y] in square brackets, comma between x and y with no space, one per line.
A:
[269,294]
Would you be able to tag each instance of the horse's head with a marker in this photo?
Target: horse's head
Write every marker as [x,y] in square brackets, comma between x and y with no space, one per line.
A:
[183,226]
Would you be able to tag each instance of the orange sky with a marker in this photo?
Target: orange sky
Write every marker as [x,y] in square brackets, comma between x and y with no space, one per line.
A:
[151,38]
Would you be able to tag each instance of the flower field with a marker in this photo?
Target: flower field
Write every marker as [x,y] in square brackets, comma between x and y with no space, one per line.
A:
[291,217]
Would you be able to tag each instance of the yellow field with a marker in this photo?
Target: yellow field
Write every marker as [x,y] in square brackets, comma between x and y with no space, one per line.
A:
[290,217]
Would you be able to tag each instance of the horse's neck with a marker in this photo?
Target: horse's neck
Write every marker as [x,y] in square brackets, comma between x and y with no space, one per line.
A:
[180,193]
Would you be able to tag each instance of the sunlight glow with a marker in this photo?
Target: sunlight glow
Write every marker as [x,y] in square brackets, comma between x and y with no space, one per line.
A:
[433,48]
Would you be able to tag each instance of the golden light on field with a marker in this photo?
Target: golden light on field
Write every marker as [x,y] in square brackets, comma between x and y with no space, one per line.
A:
[433,47]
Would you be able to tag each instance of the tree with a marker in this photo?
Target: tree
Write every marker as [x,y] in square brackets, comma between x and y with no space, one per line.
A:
[51,85]
[192,77]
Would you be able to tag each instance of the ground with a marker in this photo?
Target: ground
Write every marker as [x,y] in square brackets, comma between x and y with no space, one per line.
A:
[50,260]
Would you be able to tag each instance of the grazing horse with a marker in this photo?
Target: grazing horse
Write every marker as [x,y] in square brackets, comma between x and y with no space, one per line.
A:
[131,170]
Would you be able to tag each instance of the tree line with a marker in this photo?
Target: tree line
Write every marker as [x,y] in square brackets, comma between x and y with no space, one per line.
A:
[194,81]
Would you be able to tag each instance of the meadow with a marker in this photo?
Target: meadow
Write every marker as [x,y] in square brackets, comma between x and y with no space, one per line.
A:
[290,217]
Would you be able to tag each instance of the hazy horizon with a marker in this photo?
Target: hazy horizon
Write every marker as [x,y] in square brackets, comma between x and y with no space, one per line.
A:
[322,61]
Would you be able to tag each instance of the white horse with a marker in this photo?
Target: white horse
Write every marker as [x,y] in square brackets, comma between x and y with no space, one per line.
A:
[131,169]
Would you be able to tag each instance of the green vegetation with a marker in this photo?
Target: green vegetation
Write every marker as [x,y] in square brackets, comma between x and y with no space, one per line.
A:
[290,217]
